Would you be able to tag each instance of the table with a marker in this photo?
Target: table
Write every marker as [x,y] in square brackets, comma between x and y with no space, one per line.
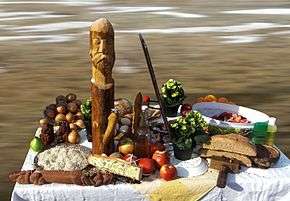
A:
[249,184]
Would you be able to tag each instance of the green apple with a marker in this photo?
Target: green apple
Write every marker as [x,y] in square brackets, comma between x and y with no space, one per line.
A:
[126,146]
[36,144]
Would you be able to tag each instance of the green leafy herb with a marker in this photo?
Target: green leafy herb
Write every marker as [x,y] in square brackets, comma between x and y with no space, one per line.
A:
[172,92]
[186,128]
[215,130]
[86,108]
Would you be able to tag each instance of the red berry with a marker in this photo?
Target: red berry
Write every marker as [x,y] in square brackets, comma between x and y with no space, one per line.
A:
[146,99]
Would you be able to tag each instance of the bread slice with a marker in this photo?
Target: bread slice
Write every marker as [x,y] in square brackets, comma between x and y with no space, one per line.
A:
[234,136]
[116,166]
[234,143]
[241,158]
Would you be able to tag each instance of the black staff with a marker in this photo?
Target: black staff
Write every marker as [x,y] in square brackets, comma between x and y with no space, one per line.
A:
[155,85]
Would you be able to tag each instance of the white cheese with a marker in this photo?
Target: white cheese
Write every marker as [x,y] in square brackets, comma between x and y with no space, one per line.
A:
[116,166]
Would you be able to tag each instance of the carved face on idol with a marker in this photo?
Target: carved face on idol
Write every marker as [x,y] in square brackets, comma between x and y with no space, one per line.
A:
[102,45]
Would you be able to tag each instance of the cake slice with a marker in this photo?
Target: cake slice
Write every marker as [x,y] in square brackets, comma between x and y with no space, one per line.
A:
[234,143]
[116,166]
[241,158]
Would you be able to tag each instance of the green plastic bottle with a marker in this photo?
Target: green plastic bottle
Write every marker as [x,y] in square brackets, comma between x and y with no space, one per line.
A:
[271,131]
[259,133]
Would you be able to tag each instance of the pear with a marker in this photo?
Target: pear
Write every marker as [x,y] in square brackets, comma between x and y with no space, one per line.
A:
[36,144]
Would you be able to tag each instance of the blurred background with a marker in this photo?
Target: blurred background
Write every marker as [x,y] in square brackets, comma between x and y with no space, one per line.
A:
[237,49]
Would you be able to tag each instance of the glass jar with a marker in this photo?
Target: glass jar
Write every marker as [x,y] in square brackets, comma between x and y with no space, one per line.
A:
[142,138]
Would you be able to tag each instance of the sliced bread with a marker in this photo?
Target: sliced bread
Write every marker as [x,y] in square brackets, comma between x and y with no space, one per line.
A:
[234,143]
[241,158]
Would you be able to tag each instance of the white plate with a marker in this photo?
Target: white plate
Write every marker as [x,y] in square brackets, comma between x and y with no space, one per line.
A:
[191,168]
[209,109]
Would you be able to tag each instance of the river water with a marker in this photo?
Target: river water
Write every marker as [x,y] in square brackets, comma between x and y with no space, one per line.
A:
[237,49]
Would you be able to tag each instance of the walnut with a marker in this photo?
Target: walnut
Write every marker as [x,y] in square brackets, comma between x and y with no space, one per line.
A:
[47,135]
[63,131]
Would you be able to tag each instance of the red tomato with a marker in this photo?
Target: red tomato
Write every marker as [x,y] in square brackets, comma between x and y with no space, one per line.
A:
[147,165]
[146,99]
[168,172]
[156,146]
[161,158]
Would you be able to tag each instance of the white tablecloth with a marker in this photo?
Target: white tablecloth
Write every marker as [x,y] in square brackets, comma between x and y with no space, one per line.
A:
[250,184]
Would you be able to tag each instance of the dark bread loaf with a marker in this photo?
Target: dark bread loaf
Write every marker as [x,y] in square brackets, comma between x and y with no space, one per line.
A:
[266,156]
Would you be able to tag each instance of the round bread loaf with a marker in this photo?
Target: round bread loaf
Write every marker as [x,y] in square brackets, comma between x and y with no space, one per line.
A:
[67,157]
[266,156]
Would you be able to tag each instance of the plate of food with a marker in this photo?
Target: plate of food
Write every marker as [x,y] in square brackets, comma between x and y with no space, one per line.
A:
[229,115]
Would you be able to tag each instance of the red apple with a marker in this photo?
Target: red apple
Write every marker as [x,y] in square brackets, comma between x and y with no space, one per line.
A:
[168,172]
[156,146]
[147,165]
[161,158]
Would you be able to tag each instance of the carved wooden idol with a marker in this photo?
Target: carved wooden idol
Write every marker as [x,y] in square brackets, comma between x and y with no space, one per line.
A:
[102,55]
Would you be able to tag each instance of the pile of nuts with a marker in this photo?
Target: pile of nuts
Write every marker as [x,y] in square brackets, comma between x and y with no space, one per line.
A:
[65,114]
